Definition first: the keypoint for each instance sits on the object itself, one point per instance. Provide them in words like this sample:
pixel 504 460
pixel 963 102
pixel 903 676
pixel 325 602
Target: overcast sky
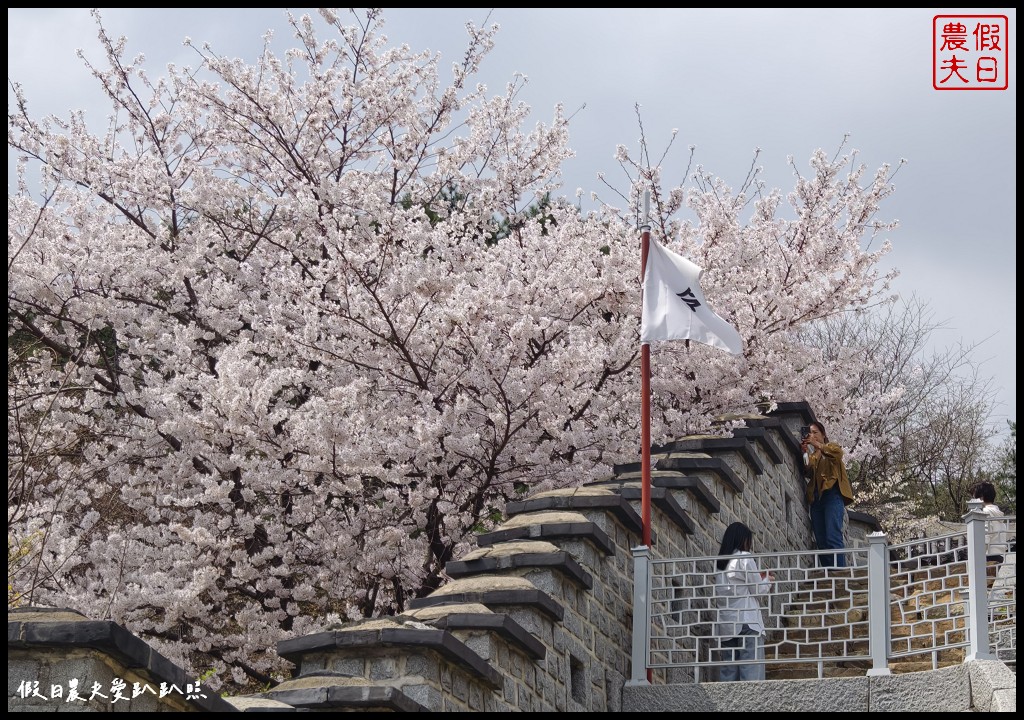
pixel 731 80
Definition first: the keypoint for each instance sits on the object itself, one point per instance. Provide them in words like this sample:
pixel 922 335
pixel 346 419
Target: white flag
pixel 674 305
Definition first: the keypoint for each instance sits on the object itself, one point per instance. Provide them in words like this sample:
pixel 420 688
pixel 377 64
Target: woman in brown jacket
pixel 828 492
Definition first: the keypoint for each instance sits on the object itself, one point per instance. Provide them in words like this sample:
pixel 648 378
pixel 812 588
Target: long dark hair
pixel 737 537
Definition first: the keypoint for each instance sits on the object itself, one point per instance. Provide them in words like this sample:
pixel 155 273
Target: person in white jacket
pixel 739 626
pixel 996 530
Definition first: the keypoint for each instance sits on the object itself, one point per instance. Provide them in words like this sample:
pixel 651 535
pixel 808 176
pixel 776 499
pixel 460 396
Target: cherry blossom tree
pixel 287 334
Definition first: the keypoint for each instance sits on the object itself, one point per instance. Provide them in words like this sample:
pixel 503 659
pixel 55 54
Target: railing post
pixel 977 584
pixel 878 603
pixel 641 614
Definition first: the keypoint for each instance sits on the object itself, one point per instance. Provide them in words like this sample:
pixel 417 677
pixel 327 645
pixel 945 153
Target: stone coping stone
pixel 461 616
pixel 594 498
pixel 500 624
pixel 989 678
pixel 629 486
pixel 581 491
pixel 637 467
pixel 792 443
pixel 738 417
pixel 673 480
pixel 804 414
pixel 867 519
pixel 783 696
pixel 560 561
pixel 440 642
pixel 694 485
pixel 536 599
pixel 259 704
pixel 583 530
pixel 378 623
pixel 542 518
pixel 716 465
pixel 741 445
pixel 667 503
pixel 800 407
pixel 363 697
pixel 766 441
pixel 482 583
pixel 320 679
pixel 945 688
pixel 767 422
pixel 44 614
pixel 30 627
pixel 430 614
pixel 511 548
pixel 957 688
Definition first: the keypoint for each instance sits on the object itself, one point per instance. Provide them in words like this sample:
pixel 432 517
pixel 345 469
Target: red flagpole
pixel 645 399
pixel 645 392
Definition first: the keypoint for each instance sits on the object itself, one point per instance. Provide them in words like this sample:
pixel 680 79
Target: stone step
pixel 824 649
pixel 847 668
pixel 816 636
pixel 808 671
pixel 827 606
pixel 832 579
pixel 928 574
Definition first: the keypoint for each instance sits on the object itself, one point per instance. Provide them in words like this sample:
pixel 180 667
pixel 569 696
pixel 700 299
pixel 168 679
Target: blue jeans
pixel 749 648
pixel 827 515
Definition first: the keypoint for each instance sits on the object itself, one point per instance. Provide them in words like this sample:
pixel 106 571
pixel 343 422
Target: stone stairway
pixel 827 617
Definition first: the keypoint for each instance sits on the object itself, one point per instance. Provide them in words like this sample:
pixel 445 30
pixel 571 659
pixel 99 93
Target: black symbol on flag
pixel 689 298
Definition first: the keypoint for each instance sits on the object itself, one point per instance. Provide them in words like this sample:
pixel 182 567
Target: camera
pixel 805 430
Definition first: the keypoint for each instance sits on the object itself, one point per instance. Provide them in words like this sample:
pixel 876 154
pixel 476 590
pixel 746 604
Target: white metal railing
pixel 1001 553
pixel 891 602
pixel 929 583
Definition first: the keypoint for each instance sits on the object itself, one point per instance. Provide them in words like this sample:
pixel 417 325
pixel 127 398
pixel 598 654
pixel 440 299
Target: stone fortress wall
pixel 537 618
